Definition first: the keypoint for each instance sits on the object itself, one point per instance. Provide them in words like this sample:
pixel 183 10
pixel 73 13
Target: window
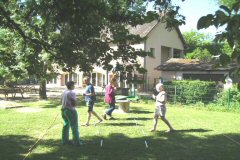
pixel 165 54
pixel 176 53
pixel 152 50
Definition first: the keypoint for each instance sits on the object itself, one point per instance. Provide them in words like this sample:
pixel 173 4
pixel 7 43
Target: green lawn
pixel 200 135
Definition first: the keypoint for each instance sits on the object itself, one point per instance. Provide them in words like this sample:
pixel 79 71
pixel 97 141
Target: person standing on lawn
pixel 161 99
pixel 110 98
pixel 70 115
pixel 90 98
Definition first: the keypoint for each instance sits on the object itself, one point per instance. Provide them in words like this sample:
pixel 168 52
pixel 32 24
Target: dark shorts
pixel 90 105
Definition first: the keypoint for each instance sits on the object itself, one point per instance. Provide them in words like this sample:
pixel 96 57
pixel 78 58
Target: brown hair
pixel 69 84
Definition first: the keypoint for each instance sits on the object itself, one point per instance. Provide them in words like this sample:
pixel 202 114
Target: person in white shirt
pixel 70 115
pixel 161 109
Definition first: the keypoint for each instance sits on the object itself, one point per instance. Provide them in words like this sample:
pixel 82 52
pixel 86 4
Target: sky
pixel 193 10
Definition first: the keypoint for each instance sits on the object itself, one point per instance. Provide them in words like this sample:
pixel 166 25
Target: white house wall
pixel 157 38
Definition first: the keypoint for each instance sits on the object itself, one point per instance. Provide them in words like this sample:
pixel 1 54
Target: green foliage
pixel 228 3
pixel 201 54
pixel 202 47
pixel 192 91
pixel 232 95
pixel 193 40
pixel 72 32
pixel 79 33
pixel 12 68
pixel 21 60
pixel 229 18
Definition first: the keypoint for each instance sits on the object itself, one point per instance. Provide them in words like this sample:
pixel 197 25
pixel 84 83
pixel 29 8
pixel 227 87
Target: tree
pixel 20 61
pixel 195 39
pixel 79 33
pixel 202 46
pixel 11 66
pixel 228 17
pixel 228 3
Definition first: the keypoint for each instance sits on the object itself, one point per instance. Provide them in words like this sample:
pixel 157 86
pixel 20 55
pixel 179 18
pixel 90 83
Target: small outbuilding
pixel 178 68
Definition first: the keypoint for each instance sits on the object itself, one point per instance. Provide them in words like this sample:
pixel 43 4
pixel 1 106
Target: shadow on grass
pixel 133 109
pixel 119 146
pixel 120 124
pixel 14 107
pixel 14 146
pixel 20 99
pixel 139 118
pixel 139 111
pixel 193 130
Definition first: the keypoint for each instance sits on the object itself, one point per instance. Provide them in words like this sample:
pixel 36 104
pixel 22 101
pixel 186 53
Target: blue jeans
pixel 111 108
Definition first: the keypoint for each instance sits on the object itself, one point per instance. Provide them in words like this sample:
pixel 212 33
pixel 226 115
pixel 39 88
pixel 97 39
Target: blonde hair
pixel 86 78
pixel 113 81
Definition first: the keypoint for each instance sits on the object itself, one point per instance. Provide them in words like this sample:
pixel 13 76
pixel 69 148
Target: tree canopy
pixel 203 47
pixel 12 67
pixel 229 18
pixel 228 3
pixel 79 34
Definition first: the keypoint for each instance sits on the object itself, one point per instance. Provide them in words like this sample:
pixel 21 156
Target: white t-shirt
pixel 68 97
pixel 161 98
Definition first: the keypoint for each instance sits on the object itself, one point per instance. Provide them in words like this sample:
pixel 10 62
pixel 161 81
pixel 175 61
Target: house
pixel 177 68
pixel 163 43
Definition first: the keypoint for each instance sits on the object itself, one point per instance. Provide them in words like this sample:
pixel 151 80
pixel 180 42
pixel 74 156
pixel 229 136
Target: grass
pixel 200 134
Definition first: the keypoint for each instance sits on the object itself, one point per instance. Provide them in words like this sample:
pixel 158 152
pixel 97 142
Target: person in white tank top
pixel 160 110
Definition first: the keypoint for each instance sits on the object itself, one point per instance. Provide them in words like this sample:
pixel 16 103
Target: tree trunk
pixel 42 89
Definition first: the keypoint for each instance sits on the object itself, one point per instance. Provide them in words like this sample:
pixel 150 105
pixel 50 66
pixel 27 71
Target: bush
pixel 231 96
pixel 191 91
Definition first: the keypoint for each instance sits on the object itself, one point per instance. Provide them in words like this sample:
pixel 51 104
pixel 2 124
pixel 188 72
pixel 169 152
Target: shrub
pixel 191 91
pixel 231 96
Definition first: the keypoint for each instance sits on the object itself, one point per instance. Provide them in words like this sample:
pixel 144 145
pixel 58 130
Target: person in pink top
pixel 110 98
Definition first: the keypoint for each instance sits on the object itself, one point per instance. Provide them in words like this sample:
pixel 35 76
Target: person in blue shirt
pixel 90 98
